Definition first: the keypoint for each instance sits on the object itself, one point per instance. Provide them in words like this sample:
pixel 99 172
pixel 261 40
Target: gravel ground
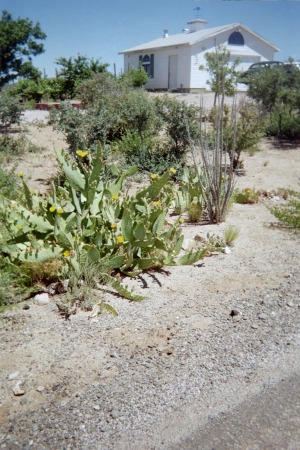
pixel 205 339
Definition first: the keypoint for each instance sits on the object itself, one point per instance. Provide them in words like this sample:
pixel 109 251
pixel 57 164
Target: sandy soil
pixel 173 363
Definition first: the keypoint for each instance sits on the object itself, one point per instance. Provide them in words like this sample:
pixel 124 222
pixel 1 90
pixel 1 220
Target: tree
pixel 277 90
pixel 75 70
pixel 222 71
pixel 19 41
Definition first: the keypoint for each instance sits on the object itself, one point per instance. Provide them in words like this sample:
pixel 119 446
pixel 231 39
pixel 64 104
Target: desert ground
pixel 169 372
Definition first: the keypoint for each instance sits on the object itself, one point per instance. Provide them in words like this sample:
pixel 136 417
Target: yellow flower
pixel 60 211
pixel 172 171
pixel 181 220
pixel 115 196
pixel 155 204
pixel 32 191
pixel 154 176
pixel 66 253
pixel 82 153
pixel 20 174
pixel 120 239
pixel 52 208
pixel 20 227
pixel 114 225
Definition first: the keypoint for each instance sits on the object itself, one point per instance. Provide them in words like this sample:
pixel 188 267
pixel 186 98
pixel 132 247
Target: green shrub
pixel 246 196
pixel 9 184
pixel 135 77
pixel 149 154
pixel 112 108
pixel 277 91
pixel 289 213
pixel 10 110
pixel 180 123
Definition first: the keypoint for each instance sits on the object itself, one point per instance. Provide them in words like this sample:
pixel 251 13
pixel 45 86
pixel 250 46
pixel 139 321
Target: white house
pixel 172 61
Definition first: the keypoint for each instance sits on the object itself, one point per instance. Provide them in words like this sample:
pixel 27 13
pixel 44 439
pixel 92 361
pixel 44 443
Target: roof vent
pixel 166 33
pixel 185 30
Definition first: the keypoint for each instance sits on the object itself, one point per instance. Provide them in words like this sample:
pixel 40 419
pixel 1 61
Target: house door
pixel 172 80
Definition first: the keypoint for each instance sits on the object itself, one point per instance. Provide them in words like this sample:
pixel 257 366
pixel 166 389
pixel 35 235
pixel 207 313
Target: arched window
pixel 236 38
pixel 147 62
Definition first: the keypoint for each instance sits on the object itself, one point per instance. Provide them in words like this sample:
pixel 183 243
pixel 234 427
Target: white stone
pixel 41 299
pixel 13 375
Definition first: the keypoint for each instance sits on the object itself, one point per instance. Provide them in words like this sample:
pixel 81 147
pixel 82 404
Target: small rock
pixel 13 375
pixel 114 414
pixel 114 355
pixel 41 299
pixel 40 388
pixel 227 250
pixel 26 307
pixel 19 389
pixel 254 326
pixel 97 407
pixel 263 316
pixel 234 312
pixel 290 304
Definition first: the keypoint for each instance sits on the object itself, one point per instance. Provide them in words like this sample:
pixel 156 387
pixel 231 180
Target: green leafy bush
pixel 180 123
pixel 135 77
pixel 278 92
pixel 149 154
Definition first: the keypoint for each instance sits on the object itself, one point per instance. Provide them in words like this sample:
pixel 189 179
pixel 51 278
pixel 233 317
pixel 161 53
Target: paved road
pixel 269 421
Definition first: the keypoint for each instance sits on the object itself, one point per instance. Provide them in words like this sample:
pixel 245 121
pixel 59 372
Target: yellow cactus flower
pixel 156 203
pixel 60 211
pixel 115 196
pixel 114 225
pixel 20 174
pixel 153 176
pixel 181 220
pixel 120 239
pixel 172 171
pixel 82 153
pixel 20 227
pixel 66 253
pixel 52 208
pixel 32 191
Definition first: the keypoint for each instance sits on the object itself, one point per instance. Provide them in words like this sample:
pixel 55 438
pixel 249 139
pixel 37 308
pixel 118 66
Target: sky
pixel 100 29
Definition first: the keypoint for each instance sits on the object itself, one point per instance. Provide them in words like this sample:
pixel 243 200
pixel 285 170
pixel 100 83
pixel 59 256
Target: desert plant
pixel 288 213
pixel 188 195
pixel 90 219
pixel 215 170
pixel 246 196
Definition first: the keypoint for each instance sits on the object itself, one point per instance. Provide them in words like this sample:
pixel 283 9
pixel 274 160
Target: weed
pixel 230 235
